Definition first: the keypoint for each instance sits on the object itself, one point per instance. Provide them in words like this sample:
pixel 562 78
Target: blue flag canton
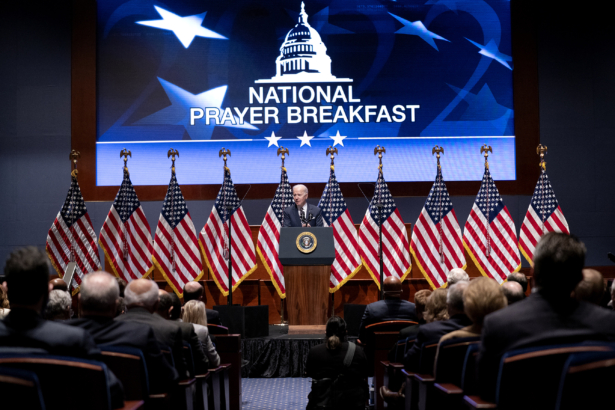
pixel 283 197
pixel 544 201
pixel 227 196
pixel 74 205
pixel 438 201
pixel 126 201
pixel 332 203
pixel 383 196
pixel 488 199
pixel 174 207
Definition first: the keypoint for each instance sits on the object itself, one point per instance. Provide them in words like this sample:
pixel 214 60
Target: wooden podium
pixel 307 273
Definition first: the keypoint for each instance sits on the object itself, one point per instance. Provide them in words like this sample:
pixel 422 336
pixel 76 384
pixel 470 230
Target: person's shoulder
pixel 62 331
pixel 212 313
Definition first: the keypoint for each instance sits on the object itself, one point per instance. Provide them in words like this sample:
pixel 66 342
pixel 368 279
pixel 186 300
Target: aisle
pixel 288 393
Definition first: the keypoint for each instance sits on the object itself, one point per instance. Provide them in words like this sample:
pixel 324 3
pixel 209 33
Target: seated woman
pixel 194 312
pixel 436 308
pixel 338 369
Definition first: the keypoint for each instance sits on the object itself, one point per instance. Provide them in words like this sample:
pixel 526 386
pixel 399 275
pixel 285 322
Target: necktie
pixel 302 215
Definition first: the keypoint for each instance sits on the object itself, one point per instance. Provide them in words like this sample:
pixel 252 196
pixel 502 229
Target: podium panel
pixel 307 294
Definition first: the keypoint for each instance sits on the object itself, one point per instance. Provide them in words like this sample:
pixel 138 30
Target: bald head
pixel 457 275
pixel 591 288
pixel 58 284
pixel 165 304
pixel 142 293
pixel 513 292
pixel 391 287
pixel 99 294
pixel 193 291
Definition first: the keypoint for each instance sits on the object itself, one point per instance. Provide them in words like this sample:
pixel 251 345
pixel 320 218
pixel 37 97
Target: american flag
pixel 335 214
pixel 436 242
pixel 491 244
pixel 543 215
pixel 268 244
pixel 395 253
pixel 126 237
pixel 71 237
pixel 214 238
pixel 176 252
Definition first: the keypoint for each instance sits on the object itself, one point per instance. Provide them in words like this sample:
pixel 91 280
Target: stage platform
pixel 283 353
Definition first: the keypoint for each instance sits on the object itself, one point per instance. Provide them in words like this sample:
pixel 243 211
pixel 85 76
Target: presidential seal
pixel 306 242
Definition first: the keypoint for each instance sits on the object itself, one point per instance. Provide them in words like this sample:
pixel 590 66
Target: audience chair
pixel 68 382
pixel 128 365
pixel 229 349
pixel 20 388
pixel 202 387
pixel 586 382
pixel 186 390
pixel 424 377
pixel 451 391
pixel 217 329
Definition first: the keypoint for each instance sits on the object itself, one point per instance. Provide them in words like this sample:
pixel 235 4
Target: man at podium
pixel 302 214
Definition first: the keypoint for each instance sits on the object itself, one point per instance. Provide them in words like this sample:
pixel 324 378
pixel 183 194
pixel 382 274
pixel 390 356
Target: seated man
pixel 141 298
pixel 513 292
pixel 420 301
pixel 98 298
pixel 392 307
pixel 59 305
pixel 432 332
pixel 194 291
pixel 591 288
pixel 302 214
pixel 547 316
pixel 58 284
pixel 457 275
pixel 520 278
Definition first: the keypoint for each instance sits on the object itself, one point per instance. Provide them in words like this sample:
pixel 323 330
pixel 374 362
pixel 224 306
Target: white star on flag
pixel 184 28
pixel 338 139
pixel 273 140
pixel 305 139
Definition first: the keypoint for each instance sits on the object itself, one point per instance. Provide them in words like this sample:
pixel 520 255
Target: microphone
pixel 309 218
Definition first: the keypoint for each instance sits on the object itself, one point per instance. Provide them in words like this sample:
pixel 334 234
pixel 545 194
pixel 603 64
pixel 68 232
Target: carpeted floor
pixel 289 393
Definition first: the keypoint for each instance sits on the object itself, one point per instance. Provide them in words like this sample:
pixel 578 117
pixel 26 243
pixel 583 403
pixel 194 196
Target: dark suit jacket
pixel 291 216
pixel 167 333
pixel 201 363
pixel 538 321
pixel 213 317
pixel 432 332
pixel 387 309
pixel 106 331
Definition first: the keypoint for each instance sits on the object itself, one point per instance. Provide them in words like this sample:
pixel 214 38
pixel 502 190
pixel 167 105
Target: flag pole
pixel 71 266
pixel 486 149
pixel 379 151
pixel 284 152
pixel 331 151
pixel 439 150
pixel 172 153
pixel 542 150
pixel 124 153
pixel 228 209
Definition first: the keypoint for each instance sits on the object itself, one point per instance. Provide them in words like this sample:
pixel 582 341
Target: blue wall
pixel 577 89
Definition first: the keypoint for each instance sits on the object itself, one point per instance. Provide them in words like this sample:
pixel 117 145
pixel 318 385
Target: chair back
pixel 128 365
pixel 469 382
pixel 427 357
pixel 21 388
pixel 379 339
pixel 187 350
pixel 66 382
pixel 451 357
pixel 217 329
pixel 586 381
pixel 168 354
pixel 400 348
pixel 540 368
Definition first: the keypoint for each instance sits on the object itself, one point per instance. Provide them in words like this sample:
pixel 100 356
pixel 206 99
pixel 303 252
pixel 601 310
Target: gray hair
pixel 457 275
pixel 146 299
pixel 59 303
pixel 454 297
pixel 301 186
pixel 99 292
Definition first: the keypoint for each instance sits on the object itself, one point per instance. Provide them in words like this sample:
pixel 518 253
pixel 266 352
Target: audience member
pixel 194 291
pixel 433 331
pixel 591 288
pixel 392 307
pixel 331 371
pixel 165 307
pixel 457 275
pixel 420 300
pixel 59 305
pixel 122 285
pixel 436 308
pixel 141 296
pixel 176 312
pixel 121 307
pixel 513 292
pixel 98 300
pixel 520 278
pixel 194 313
pixel 549 315
pixel 58 284
pixel 4 303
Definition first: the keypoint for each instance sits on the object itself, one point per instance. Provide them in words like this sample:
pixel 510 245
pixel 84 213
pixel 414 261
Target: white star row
pixel 305 139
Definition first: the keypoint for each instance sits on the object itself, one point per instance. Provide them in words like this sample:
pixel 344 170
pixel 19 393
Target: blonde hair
pixel 194 312
pixel 420 299
pixel 481 297
pixel 436 308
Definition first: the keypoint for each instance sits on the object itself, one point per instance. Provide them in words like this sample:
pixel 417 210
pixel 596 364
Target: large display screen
pixel 200 75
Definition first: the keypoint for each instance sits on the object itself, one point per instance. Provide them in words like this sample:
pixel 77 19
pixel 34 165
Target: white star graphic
pixel 418 29
pixel 491 50
pixel 184 28
pixel 338 139
pixel 305 139
pixel 273 140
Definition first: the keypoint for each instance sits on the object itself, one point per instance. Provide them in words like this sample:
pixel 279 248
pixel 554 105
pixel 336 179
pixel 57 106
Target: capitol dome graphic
pixel 303 57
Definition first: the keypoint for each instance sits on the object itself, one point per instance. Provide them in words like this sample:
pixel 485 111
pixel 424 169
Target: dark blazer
pixel 292 219
pixel 387 309
pixel 538 321
pixel 432 332
pixel 213 317
pixel 167 333
pixel 201 363
pixel 107 331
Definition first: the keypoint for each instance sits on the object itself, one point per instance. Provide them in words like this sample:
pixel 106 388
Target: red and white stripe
pixel 532 229
pixel 136 232
pixel 268 246
pixel 425 246
pixel 347 259
pixel 395 253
